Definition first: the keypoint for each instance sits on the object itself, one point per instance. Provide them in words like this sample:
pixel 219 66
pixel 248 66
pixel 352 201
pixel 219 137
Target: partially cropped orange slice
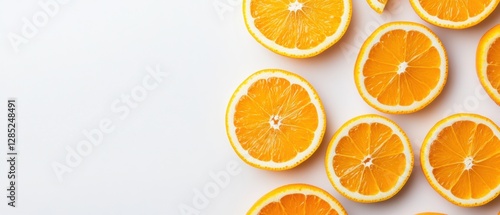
pixel 297 28
pixel 297 199
pixel 460 158
pixel 454 14
pixel 275 120
pixel 488 63
pixel 401 68
pixel 377 5
pixel 369 159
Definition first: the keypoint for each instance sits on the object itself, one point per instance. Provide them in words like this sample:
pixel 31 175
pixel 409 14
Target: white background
pixel 160 157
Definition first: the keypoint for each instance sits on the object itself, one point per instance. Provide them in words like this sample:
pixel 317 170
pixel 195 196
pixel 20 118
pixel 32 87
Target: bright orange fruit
pixel 460 158
pixel 275 120
pixel 401 68
pixel 377 5
pixel 452 13
pixel 369 159
pixel 297 28
pixel 488 63
pixel 297 199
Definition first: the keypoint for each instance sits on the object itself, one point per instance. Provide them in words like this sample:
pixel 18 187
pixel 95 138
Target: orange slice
pixel 275 120
pixel 297 199
pixel 460 158
pixel 488 63
pixel 401 68
pixel 297 28
pixel 377 5
pixel 369 159
pixel 452 13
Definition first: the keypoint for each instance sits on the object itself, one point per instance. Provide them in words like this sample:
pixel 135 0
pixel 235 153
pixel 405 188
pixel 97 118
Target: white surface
pixel 90 53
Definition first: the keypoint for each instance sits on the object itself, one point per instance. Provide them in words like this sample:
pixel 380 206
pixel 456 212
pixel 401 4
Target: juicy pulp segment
pixel 369 159
pixel 402 68
pixel 465 158
pixel 455 10
pixel 298 204
pixel 297 24
pixel 275 120
pixel 493 68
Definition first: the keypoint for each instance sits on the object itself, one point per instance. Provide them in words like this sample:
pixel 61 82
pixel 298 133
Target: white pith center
pixel 402 67
pixel 368 161
pixel 468 162
pixel 275 122
pixel 295 6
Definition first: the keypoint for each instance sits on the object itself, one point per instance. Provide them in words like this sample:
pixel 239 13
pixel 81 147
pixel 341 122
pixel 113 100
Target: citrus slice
pixel 369 159
pixel 297 28
pixel 377 5
pixel 401 68
pixel 275 120
pixel 297 199
pixel 454 14
pixel 460 158
pixel 488 63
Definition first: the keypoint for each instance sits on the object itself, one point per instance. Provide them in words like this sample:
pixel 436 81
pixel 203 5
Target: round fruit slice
pixel 401 68
pixel 369 159
pixel 460 158
pixel 275 120
pixel 454 14
pixel 488 62
pixel 298 28
pixel 377 5
pixel 297 199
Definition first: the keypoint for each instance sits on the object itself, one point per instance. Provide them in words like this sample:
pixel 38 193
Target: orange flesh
pixel 370 159
pixel 298 204
pixel 455 10
pixel 275 120
pixel 493 60
pixel 302 28
pixel 466 159
pixel 402 68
